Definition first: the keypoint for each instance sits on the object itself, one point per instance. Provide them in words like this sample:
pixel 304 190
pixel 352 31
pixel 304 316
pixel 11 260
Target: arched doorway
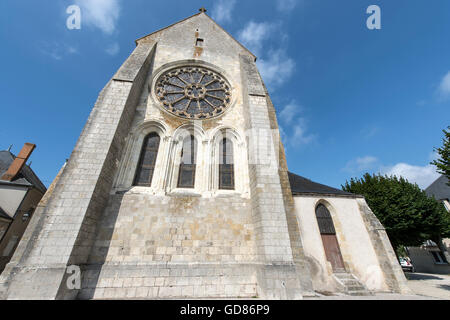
pixel 329 240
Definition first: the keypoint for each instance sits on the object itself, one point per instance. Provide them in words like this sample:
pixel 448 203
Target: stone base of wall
pixel 279 281
pixel 172 280
pixel 31 283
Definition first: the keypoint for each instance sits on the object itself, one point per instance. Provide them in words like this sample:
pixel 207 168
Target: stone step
pixel 352 286
pixel 359 293
pixel 344 276
pixel 355 288
pixel 349 280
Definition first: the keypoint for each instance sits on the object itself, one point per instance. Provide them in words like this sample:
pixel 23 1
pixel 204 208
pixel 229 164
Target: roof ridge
pixel 197 14
pixel 167 27
pixel 229 34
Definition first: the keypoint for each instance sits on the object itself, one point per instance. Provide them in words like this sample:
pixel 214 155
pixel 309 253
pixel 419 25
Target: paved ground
pixel 425 286
pixel 384 296
pixel 429 285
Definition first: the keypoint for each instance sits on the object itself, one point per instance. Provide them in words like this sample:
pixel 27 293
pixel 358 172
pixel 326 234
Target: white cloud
pixel 274 65
pixel 277 68
pixel 254 34
pixel 222 10
pixel 369 131
pixel 102 14
pixel 113 49
pixel 444 86
pixel 294 129
pixel 57 50
pixel 287 115
pixel 300 136
pixel 423 176
pixel 53 54
pixel 361 164
pixel 284 138
pixel 71 50
pixel 286 5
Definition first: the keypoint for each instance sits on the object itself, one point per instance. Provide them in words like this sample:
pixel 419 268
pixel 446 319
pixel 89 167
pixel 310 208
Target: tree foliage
pixel 443 162
pixel 407 213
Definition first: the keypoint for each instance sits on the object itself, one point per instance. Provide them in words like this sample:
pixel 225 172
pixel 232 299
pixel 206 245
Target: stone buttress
pixel 160 241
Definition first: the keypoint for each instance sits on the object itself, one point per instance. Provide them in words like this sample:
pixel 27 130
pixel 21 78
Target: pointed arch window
pixel 329 240
pixel 186 176
pixel 147 160
pixel 226 165
pixel 324 220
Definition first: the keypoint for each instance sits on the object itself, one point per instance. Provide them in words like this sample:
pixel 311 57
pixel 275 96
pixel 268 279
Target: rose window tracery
pixel 193 92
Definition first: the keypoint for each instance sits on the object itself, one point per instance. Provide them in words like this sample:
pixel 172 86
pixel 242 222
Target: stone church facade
pixel 178 187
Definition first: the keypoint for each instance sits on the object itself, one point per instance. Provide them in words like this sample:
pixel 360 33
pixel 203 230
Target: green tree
pixel 407 213
pixel 443 163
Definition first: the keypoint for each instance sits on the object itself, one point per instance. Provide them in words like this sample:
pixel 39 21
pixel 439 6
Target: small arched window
pixel 226 164
pixel 186 176
pixel 324 220
pixel 147 160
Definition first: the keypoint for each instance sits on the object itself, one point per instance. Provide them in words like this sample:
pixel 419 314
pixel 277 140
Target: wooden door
pixel 329 240
pixel 332 251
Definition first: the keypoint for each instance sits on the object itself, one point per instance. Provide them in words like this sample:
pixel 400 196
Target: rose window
pixel 193 92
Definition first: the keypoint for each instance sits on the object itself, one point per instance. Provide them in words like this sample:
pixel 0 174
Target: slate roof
pixel 26 177
pixel 302 185
pixel 439 189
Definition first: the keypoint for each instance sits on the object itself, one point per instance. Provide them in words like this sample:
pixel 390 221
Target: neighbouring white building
pixel 432 257
pixel 178 187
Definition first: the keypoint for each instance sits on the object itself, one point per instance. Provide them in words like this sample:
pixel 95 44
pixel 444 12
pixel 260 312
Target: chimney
pixel 18 162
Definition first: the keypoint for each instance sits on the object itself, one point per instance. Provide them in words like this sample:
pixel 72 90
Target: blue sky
pixel 349 99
